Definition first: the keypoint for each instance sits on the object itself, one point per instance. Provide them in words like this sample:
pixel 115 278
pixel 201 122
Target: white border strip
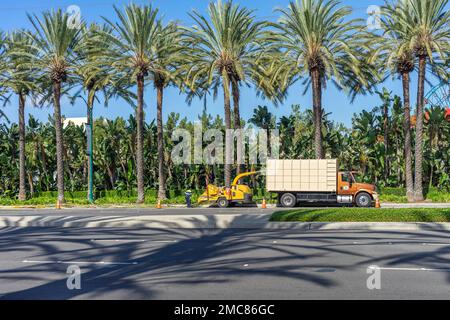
pixel 78 262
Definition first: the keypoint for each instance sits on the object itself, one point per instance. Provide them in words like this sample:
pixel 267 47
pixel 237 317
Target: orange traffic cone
pixel 158 205
pixel 264 204
pixel 58 204
pixel 377 204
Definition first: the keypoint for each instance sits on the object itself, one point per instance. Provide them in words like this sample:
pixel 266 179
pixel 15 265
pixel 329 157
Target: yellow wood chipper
pixel 224 197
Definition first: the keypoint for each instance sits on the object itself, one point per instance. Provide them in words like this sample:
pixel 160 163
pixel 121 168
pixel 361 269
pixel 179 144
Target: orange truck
pixel 316 181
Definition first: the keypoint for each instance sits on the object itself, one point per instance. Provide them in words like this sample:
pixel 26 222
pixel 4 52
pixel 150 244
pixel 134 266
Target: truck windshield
pixel 355 176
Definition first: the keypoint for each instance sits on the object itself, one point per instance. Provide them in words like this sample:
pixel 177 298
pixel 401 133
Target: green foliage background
pixel 358 148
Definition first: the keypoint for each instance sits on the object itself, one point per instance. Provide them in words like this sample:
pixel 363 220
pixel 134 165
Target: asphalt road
pixel 222 264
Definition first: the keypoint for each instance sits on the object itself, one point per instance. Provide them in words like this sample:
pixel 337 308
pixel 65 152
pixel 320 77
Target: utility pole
pixel 90 154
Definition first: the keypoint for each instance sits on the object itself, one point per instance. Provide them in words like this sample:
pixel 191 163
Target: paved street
pixel 130 263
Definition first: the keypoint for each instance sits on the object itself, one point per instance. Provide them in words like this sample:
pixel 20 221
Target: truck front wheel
pixel 288 200
pixel 363 200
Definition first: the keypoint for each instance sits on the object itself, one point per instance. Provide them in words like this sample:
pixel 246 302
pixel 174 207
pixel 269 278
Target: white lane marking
pixel 132 240
pixel 397 243
pixel 410 269
pixel 116 240
pixel 79 262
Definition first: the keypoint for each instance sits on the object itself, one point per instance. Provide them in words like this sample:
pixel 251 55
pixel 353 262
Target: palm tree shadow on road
pixel 196 257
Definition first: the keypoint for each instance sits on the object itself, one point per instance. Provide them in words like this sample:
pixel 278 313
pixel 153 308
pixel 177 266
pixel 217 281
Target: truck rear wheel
pixel 363 200
pixel 222 203
pixel 288 200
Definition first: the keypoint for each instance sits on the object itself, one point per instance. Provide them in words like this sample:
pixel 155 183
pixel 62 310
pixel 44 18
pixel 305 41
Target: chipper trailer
pixel 224 197
pixel 298 181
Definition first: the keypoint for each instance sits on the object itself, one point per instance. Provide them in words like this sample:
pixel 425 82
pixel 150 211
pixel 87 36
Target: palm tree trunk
pixel 140 139
pixel 237 126
pixel 22 173
pixel 418 188
pixel 317 110
pixel 59 141
pixel 30 182
pixel 159 125
pixel 228 140
pixel 407 131
pixel 430 185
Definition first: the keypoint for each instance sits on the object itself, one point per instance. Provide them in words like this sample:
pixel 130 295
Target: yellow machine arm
pixel 243 175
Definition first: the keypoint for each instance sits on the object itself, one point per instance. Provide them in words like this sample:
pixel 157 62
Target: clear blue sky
pixel 13 15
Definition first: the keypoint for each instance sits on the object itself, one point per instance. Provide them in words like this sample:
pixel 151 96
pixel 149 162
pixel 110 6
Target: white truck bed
pixel 301 175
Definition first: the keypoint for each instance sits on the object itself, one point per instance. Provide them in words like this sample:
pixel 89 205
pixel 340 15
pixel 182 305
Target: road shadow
pixel 197 257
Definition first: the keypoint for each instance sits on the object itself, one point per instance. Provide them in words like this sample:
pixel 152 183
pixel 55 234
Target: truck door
pixel 344 185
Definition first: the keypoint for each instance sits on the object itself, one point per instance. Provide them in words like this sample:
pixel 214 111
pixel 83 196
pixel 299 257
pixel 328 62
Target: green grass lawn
pixel 363 215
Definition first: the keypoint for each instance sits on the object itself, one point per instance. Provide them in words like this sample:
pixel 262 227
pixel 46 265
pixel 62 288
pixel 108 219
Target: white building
pixel 80 122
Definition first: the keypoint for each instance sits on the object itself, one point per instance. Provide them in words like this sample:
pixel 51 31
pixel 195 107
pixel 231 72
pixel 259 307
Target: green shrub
pixel 393 198
pixel 393 191
pixel 438 196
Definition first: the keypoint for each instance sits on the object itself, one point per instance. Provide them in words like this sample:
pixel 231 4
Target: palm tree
pixel 429 23
pixel 55 44
pixel 224 52
pixel 318 42
pixel 3 70
pixel 132 54
pixel 395 57
pixel 264 119
pixel 165 70
pixel 19 78
pixel 96 77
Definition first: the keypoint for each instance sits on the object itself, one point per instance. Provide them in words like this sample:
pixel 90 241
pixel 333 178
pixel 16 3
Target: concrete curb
pixel 223 221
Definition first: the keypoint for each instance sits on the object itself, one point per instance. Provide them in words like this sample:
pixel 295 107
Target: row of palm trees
pixel 312 42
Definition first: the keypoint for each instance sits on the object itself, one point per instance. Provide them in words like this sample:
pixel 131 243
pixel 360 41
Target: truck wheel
pixel 363 200
pixel 288 200
pixel 222 203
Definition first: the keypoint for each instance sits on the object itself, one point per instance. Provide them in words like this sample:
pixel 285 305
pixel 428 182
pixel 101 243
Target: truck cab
pixel 351 191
